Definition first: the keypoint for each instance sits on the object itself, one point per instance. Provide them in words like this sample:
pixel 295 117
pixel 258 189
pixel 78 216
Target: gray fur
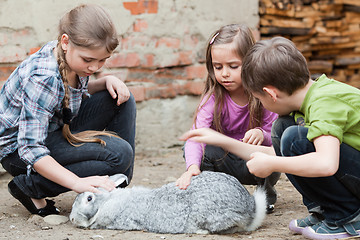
pixel 213 203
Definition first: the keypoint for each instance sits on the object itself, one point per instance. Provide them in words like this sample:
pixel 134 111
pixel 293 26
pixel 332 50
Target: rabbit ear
pixel 120 180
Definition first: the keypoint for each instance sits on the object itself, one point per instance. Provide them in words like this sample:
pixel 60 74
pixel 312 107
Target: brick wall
pixel 161 54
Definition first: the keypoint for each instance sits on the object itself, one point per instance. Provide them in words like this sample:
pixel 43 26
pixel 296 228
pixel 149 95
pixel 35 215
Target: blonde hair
pixel 242 39
pixel 87 26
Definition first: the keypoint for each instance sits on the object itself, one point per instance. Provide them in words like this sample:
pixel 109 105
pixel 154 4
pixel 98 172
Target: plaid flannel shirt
pixel 31 104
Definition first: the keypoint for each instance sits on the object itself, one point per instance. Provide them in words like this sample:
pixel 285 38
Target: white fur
pixel 260 212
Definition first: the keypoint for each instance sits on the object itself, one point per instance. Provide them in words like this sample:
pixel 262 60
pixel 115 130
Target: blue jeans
pixel 98 112
pixel 337 196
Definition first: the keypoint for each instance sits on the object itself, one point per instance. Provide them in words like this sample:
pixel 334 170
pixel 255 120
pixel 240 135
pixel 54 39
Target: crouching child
pixel 316 140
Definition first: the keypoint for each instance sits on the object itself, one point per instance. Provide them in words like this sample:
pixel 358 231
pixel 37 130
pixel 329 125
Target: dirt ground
pixel 150 171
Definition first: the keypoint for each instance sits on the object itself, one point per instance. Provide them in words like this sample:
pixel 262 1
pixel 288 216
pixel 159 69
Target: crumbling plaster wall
pixel 160 56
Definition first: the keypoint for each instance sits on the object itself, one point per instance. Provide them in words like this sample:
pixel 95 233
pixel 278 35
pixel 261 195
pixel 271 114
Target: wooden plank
pixel 323 32
pixel 334 23
pixel 284 31
pixel 331 7
pixel 301 38
pixel 284 23
pixel 328 53
pixel 349 72
pixel 354 81
pixel 339 75
pixel 273 11
pixel 351 2
pixel 354 66
pixel 351 17
pixel 352 33
pixel 307 55
pixel 320 65
pixel 354 27
pixel 303 46
pixel 352 8
pixel 267 3
pixel 350 59
pixel 306 11
pixel 330 46
pixel 329 40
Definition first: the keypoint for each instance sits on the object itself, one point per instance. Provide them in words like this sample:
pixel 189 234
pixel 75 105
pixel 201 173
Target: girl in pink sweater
pixel 226 107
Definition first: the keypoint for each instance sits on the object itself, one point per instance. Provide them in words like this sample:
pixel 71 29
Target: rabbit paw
pixel 202 231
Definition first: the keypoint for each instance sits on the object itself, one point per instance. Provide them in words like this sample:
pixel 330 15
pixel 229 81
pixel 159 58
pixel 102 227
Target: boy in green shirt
pixel 316 140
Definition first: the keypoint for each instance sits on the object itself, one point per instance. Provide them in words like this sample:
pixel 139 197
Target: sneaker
pixel 298 225
pixel 26 201
pixel 324 230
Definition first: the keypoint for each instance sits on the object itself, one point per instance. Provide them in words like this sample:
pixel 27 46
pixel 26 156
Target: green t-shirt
pixel 331 108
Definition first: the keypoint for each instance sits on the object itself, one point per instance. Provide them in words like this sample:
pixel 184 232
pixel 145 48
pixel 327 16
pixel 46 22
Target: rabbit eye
pixel 89 198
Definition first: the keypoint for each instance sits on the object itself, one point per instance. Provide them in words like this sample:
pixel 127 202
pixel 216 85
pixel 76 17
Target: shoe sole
pixel 22 198
pixel 28 203
pixel 310 233
pixel 295 228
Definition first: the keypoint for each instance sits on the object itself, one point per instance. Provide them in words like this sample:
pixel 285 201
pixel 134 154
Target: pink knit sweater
pixel 234 122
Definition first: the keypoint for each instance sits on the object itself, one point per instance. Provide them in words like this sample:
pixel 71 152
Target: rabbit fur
pixel 213 203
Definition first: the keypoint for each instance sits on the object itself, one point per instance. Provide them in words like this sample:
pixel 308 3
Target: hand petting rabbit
pixel 213 203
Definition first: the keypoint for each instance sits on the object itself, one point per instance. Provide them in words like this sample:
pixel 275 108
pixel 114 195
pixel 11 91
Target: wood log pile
pixel 327 32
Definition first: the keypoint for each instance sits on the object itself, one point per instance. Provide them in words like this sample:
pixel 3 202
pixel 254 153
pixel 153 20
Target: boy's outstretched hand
pixel 257 156
pixel 259 164
pixel 203 135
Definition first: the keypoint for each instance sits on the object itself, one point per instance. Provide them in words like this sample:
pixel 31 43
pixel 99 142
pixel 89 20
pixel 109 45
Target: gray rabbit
pixel 213 203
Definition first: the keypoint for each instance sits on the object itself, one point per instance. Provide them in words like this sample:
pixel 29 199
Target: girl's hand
pixel 184 181
pixel 254 136
pixel 91 184
pixel 117 89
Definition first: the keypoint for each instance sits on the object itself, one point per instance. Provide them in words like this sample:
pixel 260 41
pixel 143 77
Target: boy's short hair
pixel 275 62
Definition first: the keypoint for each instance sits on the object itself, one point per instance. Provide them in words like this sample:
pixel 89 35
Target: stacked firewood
pixel 327 32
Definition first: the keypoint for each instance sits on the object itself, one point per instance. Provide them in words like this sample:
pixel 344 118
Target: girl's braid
pixel 87 26
pixel 62 68
pixel 86 136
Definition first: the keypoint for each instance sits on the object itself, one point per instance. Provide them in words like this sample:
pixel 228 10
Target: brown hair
pixel 87 26
pixel 275 62
pixel 242 39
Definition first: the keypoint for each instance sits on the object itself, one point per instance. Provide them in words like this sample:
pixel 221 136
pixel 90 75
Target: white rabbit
pixel 213 203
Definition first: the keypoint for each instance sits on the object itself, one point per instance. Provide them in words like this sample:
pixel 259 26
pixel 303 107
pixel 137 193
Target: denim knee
pixel 125 155
pixel 118 153
pixel 131 101
pixel 280 124
pixel 294 141
pixel 277 130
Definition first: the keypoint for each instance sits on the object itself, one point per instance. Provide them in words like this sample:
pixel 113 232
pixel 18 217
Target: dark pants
pixel 217 160
pixel 98 112
pixel 337 196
